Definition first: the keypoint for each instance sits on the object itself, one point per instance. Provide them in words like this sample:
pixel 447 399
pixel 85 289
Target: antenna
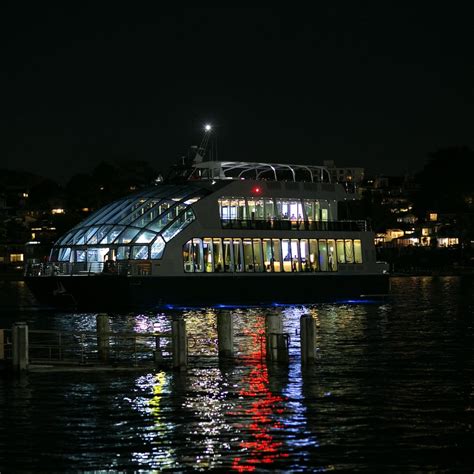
pixel 206 143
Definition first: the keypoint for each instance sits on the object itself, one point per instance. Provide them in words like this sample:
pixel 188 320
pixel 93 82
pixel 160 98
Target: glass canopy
pixel 136 226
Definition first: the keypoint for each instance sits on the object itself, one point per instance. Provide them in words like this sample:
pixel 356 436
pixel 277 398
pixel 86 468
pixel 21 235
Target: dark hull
pixel 103 292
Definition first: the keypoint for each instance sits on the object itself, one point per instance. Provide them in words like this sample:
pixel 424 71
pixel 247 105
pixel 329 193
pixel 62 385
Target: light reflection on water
pixel 391 391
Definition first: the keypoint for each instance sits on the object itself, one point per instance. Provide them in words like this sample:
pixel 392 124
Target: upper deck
pixel 239 170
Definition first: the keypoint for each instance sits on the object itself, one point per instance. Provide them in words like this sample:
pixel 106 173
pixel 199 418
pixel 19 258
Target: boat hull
pixel 103 292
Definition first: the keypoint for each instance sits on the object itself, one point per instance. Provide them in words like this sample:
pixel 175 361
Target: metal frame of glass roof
pixel 272 171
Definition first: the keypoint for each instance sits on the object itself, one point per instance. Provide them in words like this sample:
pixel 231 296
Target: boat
pixel 216 233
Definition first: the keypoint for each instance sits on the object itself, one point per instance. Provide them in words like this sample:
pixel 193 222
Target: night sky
pixel 378 87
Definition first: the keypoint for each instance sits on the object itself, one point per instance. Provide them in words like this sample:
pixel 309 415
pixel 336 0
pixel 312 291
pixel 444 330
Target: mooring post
pixel 20 356
pixel 308 339
pixel 225 334
pixel 276 341
pixel 179 342
pixel 103 336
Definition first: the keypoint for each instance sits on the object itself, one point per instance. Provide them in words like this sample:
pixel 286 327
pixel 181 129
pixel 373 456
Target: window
pixel 257 255
pixel 139 252
pixel 218 255
pixel 238 257
pixel 323 255
pixel 313 255
pixel 332 261
pixel 304 255
pixel 123 253
pixel 295 261
pixel 276 246
pixel 286 250
pixel 228 256
pixel 341 257
pixel 207 255
pixel 349 251
pixel 16 257
pixel 248 255
pixel 357 251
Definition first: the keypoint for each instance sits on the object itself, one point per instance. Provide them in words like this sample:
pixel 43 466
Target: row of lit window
pixel 279 208
pixel 269 255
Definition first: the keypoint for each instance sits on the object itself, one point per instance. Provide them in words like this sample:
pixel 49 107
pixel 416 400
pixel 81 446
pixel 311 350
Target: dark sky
pixel 379 86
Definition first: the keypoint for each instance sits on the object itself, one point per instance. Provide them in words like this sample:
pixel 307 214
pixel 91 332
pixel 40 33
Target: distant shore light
pixel 208 127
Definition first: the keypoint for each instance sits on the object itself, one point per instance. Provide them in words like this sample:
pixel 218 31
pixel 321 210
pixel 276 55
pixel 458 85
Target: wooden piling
pixel 225 334
pixel 276 341
pixel 308 339
pixel 20 349
pixel 179 343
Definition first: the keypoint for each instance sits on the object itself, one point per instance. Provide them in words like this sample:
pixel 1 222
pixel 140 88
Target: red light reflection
pixel 261 448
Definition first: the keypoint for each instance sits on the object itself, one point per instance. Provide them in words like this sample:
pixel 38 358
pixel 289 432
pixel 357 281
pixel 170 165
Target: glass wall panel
pixel 313 255
pixel 357 251
pixel 151 210
pixel 238 209
pixel 123 253
pixel 324 212
pixel 323 255
pixel 139 252
pixel 276 255
pixel 309 209
pixel 157 248
pixel 228 256
pixel 100 234
pixel 198 256
pixel 64 254
pixel 257 255
pixel 286 252
pixel 218 255
pixel 188 257
pixel 80 256
pixel 349 251
pixel 97 254
pixel 248 255
pixel 224 208
pixel 270 212
pixel 256 209
pixel 295 261
pixel 268 259
pixel 341 257
pixel 304 255
pixel 78 238
pixel 238 255
pixel 332 260
pixel 207 253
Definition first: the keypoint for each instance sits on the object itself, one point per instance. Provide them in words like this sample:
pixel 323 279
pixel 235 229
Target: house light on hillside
pixel 433 216
pixel 57 210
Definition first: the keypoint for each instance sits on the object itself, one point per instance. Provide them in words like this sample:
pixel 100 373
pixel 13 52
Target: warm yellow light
pixel 433 216
pixel 85 209
pixel 16 257
pixel 57 211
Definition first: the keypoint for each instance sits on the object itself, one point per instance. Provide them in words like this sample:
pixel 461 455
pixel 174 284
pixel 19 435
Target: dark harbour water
pixel 392 391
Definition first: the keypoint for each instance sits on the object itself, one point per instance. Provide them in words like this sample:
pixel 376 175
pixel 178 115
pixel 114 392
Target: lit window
pixel 433 216
pixel 16 257
pixel 57 211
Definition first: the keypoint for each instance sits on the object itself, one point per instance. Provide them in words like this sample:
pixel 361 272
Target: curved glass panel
pixel 127 235
pixel 157 248
pixel 112 234
pixel 145 237
pixel 178 225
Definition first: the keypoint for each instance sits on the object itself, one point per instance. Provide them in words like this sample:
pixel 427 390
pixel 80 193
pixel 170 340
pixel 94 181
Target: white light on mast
pixel 208 127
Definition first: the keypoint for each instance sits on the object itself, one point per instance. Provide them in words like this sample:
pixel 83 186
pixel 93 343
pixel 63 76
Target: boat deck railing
pixel 277 224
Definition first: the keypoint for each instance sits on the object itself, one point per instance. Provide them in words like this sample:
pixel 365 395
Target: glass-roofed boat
pixel 216 232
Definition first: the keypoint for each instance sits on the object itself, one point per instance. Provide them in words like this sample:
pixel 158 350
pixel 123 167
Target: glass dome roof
pixel 145 220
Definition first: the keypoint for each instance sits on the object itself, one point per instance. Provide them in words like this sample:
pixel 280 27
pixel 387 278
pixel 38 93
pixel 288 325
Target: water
pixel 392 390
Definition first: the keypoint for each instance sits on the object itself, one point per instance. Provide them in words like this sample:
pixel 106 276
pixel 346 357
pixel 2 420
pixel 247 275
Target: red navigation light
pixel 257 190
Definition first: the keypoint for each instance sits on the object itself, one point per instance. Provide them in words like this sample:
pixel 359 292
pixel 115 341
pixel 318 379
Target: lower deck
pixel 98 292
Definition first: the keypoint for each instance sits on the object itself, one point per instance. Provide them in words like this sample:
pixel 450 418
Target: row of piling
pixel 276 341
